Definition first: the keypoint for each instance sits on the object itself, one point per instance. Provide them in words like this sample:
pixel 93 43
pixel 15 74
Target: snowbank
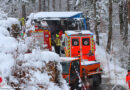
pixel 2 14
pixel 3 23
pixel 6 62
pixel 8 45
pixel 8 22
pixel 38 57
pixel 38 70
pixel 111 66
pixel 12 21
pixel 8 49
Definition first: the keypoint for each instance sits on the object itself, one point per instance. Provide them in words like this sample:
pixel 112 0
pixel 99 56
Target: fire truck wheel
pixel 96 80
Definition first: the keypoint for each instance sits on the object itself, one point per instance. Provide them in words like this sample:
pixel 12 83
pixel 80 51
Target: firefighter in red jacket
pixel 128 79
pixel 60 33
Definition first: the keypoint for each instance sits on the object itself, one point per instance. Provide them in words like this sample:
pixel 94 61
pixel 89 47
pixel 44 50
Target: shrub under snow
pixel 38 70
pixel 34 71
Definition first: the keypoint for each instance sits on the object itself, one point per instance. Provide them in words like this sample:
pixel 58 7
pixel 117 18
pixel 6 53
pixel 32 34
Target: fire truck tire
pixel 96 80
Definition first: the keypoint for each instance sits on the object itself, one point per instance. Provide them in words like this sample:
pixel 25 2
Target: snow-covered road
pixel 105 86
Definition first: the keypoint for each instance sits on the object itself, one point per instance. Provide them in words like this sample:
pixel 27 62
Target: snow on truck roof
pixel 85 62
pixel 78 32
pixel 54 14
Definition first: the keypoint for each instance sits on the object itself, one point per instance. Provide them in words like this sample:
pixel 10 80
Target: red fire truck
pixel 41 35
pixel 86 68
pixel 80 43
pixel 80 73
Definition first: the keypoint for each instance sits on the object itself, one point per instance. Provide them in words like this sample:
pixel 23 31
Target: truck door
pixel 75 46
pixel 38 38
pixel 47 39
pixel 85 46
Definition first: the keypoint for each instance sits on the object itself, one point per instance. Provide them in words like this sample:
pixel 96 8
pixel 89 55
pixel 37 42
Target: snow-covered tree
pixel 110 27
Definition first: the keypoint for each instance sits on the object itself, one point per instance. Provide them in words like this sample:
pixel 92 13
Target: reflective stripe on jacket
pixel 57 42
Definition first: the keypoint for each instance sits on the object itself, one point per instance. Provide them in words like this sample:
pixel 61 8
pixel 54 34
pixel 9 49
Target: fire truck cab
pixel 57 22
pixel 80 43
pixel 80 74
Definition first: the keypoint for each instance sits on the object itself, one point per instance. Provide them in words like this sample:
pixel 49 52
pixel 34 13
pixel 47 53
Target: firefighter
pixel 128 79
pixel 57 44
pixel 60 33
pixel 22 22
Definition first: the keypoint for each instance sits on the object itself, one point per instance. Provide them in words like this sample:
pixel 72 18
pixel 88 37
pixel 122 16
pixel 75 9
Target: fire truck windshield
pixel 65 67
pixel 65 24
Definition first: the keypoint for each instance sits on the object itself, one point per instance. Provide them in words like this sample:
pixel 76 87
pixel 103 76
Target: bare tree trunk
pixel 129 54
pixel 60 5
pixel 80 2
pixel 129 11
pixel 68 5
pixel 126 23
pixel 39 5
pixel 121 18
pixel 95 20
pixel 44 5
pixel 109 27
pixel 23 10
pixel 48 5
pixel 54 8
pixel 129 23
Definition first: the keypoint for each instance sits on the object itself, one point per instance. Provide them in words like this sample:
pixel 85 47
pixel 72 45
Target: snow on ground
pixel 8 46
pixel 8 22
pixel 39 59
pixel 37 76
pixel 12 21
pixel 111 67
pixel 2 14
